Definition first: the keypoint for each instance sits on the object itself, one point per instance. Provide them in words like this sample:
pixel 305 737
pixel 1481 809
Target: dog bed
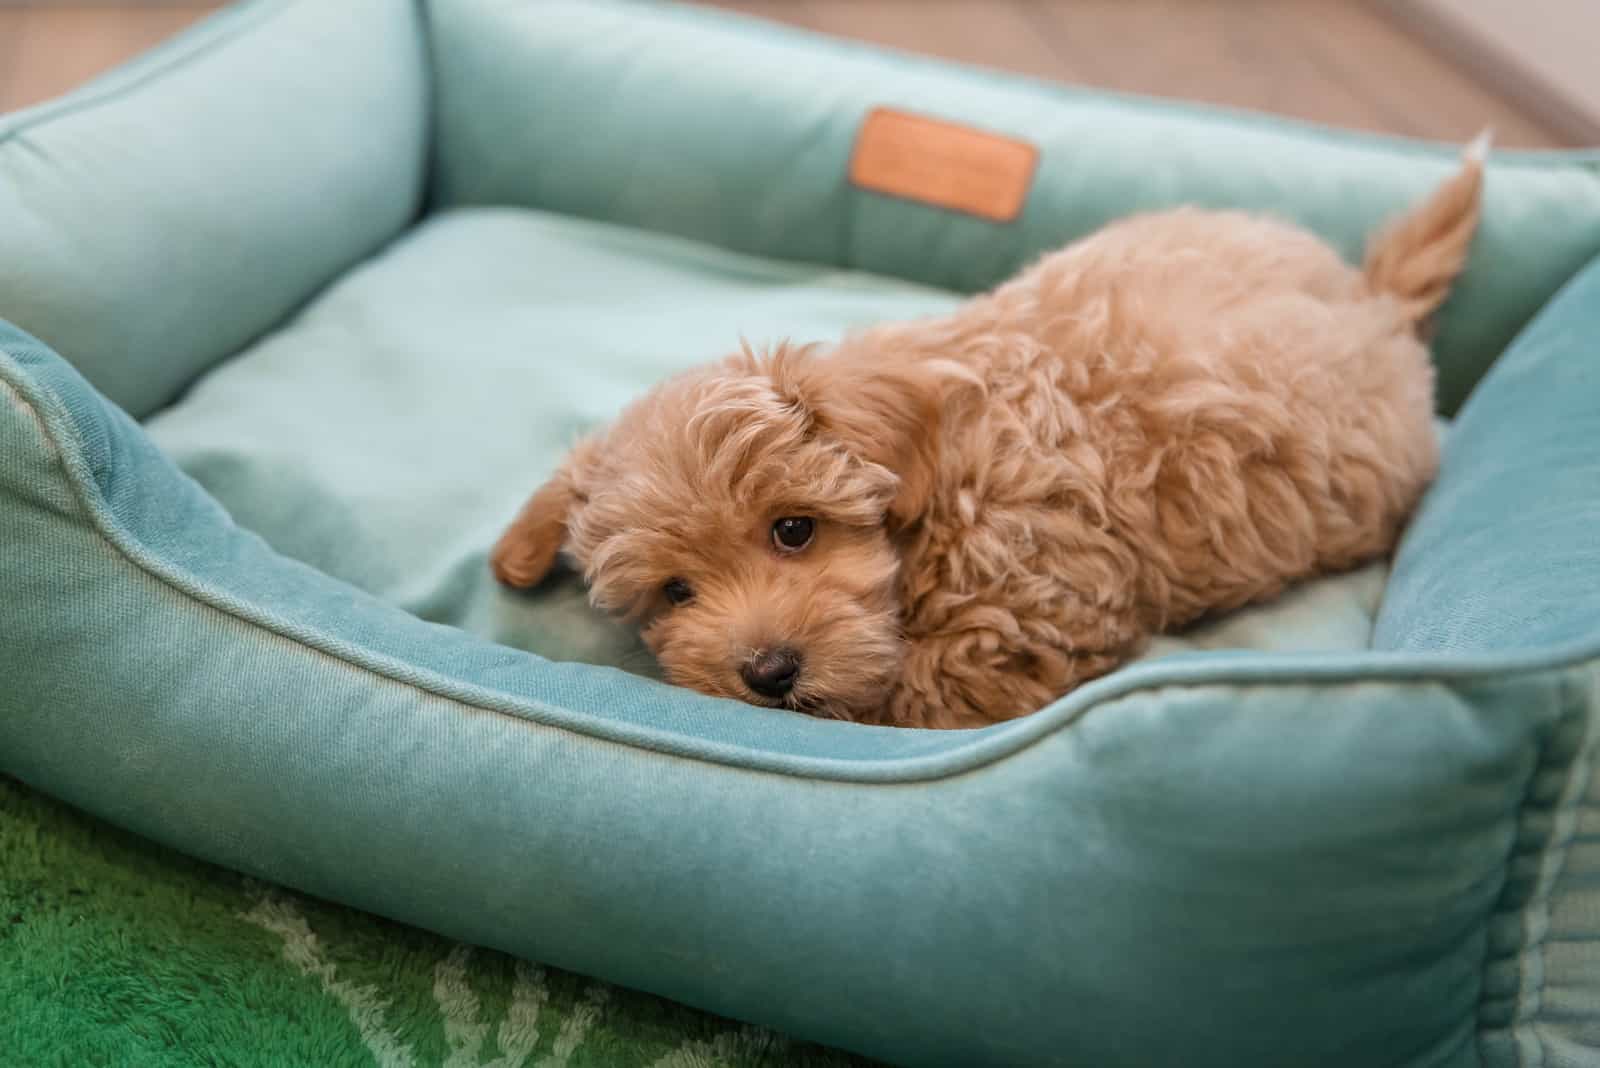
pixel 303 303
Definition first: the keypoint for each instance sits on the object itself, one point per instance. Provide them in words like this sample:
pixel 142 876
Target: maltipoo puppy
pixel 954 521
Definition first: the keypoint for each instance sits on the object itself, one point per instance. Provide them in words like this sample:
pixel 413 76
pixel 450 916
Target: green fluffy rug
pixel 114 951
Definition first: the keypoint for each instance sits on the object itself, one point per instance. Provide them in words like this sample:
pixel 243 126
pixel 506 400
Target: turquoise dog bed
pixel 306 301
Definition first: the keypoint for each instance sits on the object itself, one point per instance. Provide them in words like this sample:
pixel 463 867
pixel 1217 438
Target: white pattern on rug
pixel 460 1008
pixel 364 1004
pixel 748 1044
pixel 465 1032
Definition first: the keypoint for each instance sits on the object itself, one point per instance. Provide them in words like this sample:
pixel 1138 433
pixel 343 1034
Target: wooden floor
pixel 1334 61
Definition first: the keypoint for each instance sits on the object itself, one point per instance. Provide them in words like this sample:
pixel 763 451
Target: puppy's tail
pixel 1416 257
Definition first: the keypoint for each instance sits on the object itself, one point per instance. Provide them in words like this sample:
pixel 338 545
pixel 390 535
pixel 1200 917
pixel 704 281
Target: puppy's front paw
pixel 518 562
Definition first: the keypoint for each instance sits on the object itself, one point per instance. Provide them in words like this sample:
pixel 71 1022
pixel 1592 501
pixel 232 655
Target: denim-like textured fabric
pixel 738 133
pixel 156 220
pixel 1541 991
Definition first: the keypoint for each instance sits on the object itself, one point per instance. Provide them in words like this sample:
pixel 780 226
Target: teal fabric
pixel 1216 862
pixel 1523 470
pixel 157 220
pixel 738 133
pixel 1541 985
pixel 1505 555
pixel 1310 852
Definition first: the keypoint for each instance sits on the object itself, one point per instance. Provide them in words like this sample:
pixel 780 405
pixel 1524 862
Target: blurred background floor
pixel 1345 62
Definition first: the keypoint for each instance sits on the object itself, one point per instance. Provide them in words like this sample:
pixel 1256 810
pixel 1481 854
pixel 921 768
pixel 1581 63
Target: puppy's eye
pixel 678 591
pixel 793 533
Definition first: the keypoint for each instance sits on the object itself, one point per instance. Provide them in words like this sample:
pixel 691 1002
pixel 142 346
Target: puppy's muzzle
pixel 771 673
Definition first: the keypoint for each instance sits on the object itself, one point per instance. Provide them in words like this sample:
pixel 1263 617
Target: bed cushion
pixel 387 433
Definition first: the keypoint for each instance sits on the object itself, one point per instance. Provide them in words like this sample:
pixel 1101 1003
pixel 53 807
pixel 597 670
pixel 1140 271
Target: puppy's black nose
pixel 772 672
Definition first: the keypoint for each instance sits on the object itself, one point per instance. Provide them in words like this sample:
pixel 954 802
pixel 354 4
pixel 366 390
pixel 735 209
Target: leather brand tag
pixel 943 163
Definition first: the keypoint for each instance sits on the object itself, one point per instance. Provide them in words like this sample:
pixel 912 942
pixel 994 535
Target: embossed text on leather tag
pixel 943 163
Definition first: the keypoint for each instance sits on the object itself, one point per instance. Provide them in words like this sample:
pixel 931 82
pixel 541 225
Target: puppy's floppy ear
pixel 882 405
pixel 528 549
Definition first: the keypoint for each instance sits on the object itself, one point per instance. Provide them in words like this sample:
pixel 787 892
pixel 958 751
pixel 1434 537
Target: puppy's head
pixel 746 514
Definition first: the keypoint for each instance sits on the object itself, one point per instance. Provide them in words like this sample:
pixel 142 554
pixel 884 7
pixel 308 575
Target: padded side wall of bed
pixel 1504 556
pixel 739 133
pixel 155 221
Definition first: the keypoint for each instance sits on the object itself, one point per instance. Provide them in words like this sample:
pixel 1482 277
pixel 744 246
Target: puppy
pixel 951 522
